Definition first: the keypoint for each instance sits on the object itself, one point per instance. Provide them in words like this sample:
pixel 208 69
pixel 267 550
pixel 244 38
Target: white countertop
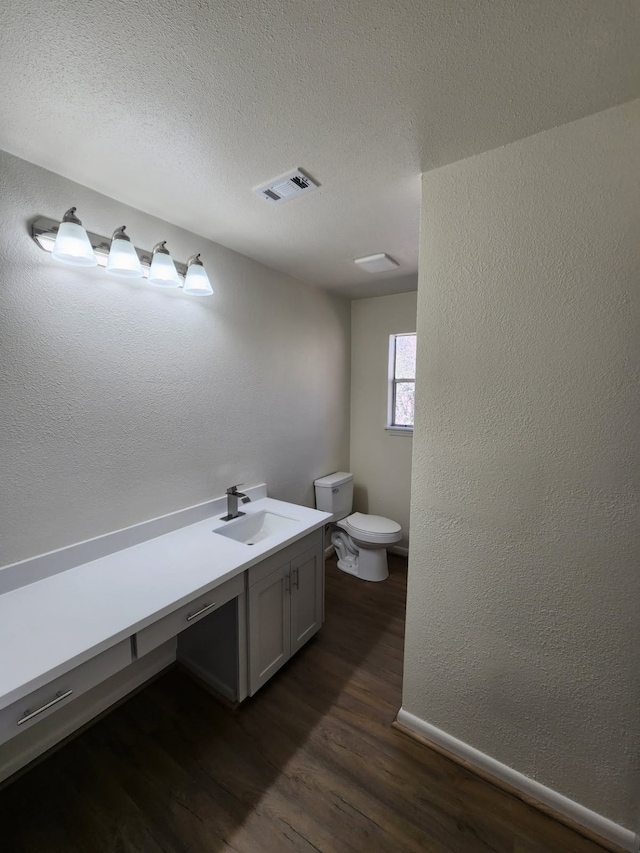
pixel 59 622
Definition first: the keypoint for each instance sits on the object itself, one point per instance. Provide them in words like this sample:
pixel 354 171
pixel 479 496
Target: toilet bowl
pixel 360 540
pixel 361 544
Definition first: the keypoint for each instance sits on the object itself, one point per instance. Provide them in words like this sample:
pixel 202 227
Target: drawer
pixel 46 700
pixel 167 627
pixel 285 555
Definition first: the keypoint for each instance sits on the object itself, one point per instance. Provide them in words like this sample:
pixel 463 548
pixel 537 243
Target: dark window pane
pixel 405 357
pixel 403 414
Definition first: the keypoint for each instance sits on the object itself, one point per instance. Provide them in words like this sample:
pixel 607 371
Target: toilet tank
pixel 334 494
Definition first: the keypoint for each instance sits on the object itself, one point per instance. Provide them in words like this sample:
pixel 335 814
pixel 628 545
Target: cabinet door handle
pixel 295 578
pixel 204 609
pixel 287 583
pixel 30 715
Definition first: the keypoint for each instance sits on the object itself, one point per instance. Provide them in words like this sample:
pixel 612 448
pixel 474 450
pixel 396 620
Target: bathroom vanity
pixel 82 627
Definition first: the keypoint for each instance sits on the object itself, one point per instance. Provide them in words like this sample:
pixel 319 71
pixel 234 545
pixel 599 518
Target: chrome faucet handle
pixel 233 490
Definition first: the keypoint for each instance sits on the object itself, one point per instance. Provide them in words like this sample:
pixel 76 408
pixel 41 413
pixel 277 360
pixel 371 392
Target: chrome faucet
pixel 232 503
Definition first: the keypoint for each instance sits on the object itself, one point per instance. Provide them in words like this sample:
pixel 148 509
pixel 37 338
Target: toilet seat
pixel 374 529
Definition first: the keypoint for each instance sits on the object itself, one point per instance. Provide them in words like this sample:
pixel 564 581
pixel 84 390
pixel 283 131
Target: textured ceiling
pixel 180 108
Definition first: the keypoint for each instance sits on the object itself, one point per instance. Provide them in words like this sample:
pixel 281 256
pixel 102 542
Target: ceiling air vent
pixel 286 187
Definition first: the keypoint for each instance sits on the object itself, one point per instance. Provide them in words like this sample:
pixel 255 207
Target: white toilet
pixel 360 540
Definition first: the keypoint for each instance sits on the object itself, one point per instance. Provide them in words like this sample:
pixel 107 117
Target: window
pixel 402 381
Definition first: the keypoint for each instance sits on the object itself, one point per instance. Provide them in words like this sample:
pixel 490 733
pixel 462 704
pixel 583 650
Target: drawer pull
pixel 29 716
pixel 191 616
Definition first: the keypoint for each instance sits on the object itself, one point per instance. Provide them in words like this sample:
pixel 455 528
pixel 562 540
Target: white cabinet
pixel 269 626
pixel 285 606
pixel 44 701
pixel 209 635
pixel 307 597
pixel 182 618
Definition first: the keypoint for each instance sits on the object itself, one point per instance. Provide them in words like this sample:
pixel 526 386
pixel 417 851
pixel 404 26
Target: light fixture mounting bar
pixel 44 231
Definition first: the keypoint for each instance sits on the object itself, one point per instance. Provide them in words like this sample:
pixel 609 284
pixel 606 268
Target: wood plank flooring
pixel 311 763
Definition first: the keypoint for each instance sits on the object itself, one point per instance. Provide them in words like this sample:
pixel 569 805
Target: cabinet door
pixel 269 627
pixel 307 586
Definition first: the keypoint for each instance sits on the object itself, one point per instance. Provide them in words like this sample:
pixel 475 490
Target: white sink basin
pixel 258 526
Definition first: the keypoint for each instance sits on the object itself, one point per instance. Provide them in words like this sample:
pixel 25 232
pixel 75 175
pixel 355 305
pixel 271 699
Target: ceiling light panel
pixel 377 263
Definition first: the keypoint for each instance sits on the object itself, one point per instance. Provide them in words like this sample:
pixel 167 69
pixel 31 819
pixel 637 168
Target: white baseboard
pixel 560 804
pixel 31 744
pixel 399 549
pixel 329 551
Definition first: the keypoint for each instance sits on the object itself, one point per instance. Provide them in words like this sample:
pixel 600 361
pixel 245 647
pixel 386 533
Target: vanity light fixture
pixel 72 245
pixel 69 243
pixel 123 260
pixel 197 281
pixel 163 272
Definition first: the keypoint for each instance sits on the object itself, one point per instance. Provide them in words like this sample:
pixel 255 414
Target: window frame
pixel 391 428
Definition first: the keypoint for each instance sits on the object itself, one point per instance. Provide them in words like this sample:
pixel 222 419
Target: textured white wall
pixel 522 626
pixel 119 402
pixel 380 462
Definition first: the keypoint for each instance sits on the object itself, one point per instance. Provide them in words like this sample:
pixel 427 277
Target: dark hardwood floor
pixel 311 763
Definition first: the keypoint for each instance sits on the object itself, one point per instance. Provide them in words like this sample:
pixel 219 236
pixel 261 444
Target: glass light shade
pixel 163 272
pixel 72 246
pixel 197 281
pixel 123 260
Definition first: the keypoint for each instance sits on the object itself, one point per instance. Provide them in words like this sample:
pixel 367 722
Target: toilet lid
pixel 372 523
